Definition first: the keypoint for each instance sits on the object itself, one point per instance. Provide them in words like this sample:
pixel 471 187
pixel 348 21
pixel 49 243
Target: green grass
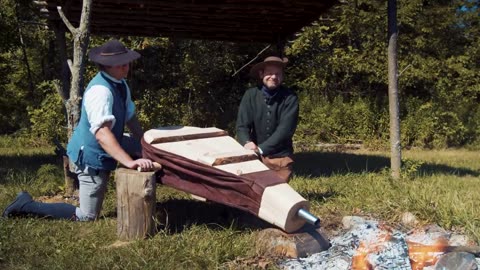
pixel 437 186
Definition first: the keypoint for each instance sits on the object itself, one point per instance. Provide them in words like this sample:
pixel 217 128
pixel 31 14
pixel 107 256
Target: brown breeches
pixel 282 166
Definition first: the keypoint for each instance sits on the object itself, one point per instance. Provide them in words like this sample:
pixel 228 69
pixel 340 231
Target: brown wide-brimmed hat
pixel 271 60
pixel 113 53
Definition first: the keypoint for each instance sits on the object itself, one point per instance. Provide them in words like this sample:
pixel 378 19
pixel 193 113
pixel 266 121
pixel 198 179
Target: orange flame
pixel 425 255
pixel 359 260
pixel 420 255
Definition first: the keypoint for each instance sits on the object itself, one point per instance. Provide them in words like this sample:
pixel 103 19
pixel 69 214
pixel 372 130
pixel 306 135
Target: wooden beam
pixel 175 134
pixel 228 157
pixel 184 17
pixel 245 167
pixel 230 20
pixel 197 149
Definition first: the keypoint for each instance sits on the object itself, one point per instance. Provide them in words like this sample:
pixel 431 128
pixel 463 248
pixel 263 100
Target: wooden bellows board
pixel 272 200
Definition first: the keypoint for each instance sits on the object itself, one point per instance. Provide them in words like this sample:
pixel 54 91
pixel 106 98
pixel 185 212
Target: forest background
pixel 337 66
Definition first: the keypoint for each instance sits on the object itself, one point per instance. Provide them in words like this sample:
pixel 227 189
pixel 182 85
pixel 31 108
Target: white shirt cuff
pixel 95 126
pixel 98 102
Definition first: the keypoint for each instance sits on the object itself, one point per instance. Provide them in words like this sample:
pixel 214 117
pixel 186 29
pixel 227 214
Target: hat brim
pixel 260 66
pixel 113 60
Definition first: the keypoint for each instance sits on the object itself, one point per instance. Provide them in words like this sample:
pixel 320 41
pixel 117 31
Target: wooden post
pixel 395 147
pixel 135 203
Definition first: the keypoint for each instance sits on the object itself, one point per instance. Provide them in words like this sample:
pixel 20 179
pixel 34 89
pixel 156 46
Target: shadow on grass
pixel 315 164
pixel 430 169
pixel 178 214
pixel 27 164
pixel 328 163
pixel 320 197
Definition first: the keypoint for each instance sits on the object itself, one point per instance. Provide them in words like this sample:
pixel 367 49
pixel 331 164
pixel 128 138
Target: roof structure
pixel 231 20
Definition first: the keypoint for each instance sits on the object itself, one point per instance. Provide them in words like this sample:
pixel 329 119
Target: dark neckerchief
pixel 120 87
pixel 269 94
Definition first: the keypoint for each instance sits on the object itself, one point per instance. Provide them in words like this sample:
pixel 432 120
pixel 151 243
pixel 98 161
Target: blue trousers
pixel 92 189
pixel 93 185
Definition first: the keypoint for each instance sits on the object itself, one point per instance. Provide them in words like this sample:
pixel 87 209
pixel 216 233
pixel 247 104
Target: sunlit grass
pixel 437 186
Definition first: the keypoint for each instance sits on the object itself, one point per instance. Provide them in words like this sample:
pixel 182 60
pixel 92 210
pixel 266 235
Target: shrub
pixel 49 179
pixel 339 121
pixel 48 119
pixel 431 126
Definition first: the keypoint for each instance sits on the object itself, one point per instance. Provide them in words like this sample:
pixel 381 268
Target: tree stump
pixel 135 203
pixel 305 242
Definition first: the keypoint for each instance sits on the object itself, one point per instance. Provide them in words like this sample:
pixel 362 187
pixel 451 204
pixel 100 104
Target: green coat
pixel 268 123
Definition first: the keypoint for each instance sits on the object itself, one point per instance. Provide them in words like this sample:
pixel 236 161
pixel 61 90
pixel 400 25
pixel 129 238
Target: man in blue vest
pixel 97 143
pixel 268 116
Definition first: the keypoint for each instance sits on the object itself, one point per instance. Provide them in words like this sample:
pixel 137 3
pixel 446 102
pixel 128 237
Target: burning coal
pixel 371 245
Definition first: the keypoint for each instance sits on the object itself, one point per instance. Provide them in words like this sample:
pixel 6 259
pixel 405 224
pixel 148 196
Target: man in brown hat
pixel 97 143
pixel 268 116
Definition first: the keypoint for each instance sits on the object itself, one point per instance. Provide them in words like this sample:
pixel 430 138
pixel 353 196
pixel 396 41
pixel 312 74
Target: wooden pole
pixel 135 203
pixel 395 147
pixel 280 47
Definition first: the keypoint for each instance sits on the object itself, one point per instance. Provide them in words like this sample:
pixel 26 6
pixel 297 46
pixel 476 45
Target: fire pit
pixel 369 244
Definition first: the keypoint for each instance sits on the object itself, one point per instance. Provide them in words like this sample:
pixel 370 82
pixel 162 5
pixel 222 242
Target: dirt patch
pixel 119 244
pixel 331 224
pixel 59 198
pixel 256 262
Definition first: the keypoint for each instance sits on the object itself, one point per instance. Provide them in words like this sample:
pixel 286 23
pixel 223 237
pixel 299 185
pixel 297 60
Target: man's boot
pixel 24 205
pixel 16 206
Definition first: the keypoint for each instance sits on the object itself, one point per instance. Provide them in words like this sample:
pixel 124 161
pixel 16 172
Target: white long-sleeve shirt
pixel 98 102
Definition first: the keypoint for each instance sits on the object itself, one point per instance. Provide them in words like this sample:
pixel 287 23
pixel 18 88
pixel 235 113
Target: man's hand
pixel 251 146
pixel 143 163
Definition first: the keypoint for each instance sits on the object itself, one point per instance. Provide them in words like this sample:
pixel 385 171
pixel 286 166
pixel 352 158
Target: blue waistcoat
pixel 83 148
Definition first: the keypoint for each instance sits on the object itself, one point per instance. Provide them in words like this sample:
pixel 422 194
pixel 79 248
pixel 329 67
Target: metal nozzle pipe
pixel 308 217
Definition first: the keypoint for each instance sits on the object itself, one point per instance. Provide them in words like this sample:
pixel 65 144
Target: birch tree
pixel 72 93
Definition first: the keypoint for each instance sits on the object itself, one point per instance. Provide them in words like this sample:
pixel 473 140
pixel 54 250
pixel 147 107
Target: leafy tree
pixel 338 66
pixel 345 55
pixel 23 53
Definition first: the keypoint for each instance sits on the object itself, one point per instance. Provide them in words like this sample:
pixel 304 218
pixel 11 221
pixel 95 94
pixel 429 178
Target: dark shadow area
pixel 31 162
pixel 328 163
pixel 429 169
pixel 317 164
pixel 319 197
pixel 28 164
pixel 176 215
pixel 316 234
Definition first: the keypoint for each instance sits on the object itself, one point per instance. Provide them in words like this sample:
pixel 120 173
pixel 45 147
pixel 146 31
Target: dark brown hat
pixel 113 53
pixel 271 60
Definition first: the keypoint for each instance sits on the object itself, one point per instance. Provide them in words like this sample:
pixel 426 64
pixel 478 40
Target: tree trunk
pixel 72 100
pixel 395 147
pixel 81 39
pixel 63 89
pixel 25 57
